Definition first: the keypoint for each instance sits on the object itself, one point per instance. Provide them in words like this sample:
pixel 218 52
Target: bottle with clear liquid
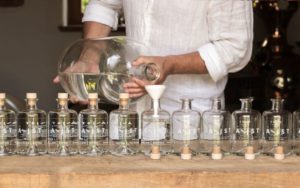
pixel 277 131
pixel 296 126
pixel 123 129
pixel 185 130
pixel 93 124
pixel 156 133
pixel 8 131
pixel 62 129
pixel 215 131
pixel 247 131
pixel 32 129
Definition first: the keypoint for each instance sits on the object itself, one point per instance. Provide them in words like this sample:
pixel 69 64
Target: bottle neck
pixel 31 104
pixel 186 104
pixel 277 104
pixel 123 104
pixel 246 104
pixel 62 104
pixel 93 104
pixel 217 105
pixel 2 105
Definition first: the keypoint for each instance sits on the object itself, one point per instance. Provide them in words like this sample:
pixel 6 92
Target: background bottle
pixel 185 130
pixel 7 129
pixel 32 129
pixel 246 130
pixel 215 131
pixel 277 124
pixel 123 129
pixel 296 126
pixel 62 128
pixel 93 128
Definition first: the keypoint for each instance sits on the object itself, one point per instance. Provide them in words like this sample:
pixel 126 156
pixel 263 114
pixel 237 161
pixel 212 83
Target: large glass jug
pixel 103 65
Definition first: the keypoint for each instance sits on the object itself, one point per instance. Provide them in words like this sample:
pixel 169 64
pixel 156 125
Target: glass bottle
pixel 7 129
pixel 93 128
pixel 156 134
pixel 215 131
pixel 62 128
pixel 185 130
pixel 32 128
pixel 296 126
pixel 277 124
pixel 247 131
pixel 123 129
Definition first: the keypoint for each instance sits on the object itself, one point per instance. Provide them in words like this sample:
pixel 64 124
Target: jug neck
pixel 146 71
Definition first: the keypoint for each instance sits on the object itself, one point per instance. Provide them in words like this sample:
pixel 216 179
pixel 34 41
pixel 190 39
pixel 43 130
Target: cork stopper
pixel 93 99
pixel 2 99
pixel 155 152
pixel 123 98
pixel 216 153
pixel 279 154
pixel 62 95
pixel 186 153
pixel 93 96
pixel 249 153
pixel 31 98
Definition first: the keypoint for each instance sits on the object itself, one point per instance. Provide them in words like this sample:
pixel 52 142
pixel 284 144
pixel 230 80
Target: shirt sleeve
pixel 103 11
pixel 230 31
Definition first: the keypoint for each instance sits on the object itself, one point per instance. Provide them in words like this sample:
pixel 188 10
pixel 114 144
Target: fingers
pixel 136 88
pixel 141 60
pixel 56 80
pixel 74 99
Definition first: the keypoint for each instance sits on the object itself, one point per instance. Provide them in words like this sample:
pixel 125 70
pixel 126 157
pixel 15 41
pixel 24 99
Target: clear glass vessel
pixel 186 130
pixel 102 66
pixel 215 131
pixel 62 129
pixel 123 129
pixel 93 124
pixel 247 131
pixel 8 131
pixel 277 126
pixel 296 126
pixel 156 133
pixel 32 129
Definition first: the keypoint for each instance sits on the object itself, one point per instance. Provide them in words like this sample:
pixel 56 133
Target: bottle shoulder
pixel 92 111
pixel 120 111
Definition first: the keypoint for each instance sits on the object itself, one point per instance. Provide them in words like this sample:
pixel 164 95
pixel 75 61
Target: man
pixel 196 43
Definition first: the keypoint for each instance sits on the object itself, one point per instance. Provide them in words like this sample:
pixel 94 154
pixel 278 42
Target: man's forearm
pixel 190 63
pixel 95 30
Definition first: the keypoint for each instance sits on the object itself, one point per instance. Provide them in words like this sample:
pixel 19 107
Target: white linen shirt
pixel 220 30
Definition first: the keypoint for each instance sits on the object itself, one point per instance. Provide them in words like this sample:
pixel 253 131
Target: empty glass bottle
pixel 277 126
pixel 296 126
pixel 215 131
pixel 123 129
pixel 185 130
pixel 247 130
pixel 155 126
pixel 93 124
pixel 7 129
pixel 62 128
pixel 32 129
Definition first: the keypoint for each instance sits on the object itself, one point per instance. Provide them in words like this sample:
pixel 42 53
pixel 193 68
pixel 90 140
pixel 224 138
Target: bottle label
pixel 185 129
pixel 155 131
pixel 123 127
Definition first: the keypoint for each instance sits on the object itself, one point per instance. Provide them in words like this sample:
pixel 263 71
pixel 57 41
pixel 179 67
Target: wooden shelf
pixel 139 171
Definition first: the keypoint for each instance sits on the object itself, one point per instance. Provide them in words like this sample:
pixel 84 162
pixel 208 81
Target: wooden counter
pixel 141 172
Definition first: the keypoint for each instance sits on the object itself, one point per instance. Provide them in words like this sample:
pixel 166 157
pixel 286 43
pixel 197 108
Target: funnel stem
pixel 155 106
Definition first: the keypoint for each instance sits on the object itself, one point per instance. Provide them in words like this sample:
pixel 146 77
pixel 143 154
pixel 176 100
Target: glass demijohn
pixel 123 129
pixel 32 129
pixel 246 130
pixel 277 125
pixel 93 124
pixel 215 131
pixel 62 129
pixel 155 126
pixel 185 130
pixel 102 66
pixel 7 129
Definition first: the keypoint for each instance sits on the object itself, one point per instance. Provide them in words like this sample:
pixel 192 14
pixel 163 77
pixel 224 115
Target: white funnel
pixel 155 91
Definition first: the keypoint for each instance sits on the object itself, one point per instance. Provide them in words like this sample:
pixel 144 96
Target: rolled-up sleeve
pixel 103 11
pixel 230 31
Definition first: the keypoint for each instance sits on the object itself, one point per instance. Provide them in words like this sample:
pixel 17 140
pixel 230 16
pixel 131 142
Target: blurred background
pixel 34 33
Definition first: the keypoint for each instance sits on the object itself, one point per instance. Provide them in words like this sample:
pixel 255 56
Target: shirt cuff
pixel 101 14
pixel 215 67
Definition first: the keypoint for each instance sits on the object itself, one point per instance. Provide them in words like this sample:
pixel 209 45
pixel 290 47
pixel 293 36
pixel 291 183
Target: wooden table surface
pixel 140 171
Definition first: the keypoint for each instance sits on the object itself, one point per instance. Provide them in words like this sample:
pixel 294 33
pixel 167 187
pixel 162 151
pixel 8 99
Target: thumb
pixel 56 80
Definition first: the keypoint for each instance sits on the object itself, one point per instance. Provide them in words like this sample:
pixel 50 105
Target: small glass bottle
pixel 32 129
pixel 123 129
pixel 93 128
pixel 215 131
pixel 156 134
pixel 277 124
pixel 7 129
pixel 62 128
pixel 247 130
pixel 185 130
pixel 296 125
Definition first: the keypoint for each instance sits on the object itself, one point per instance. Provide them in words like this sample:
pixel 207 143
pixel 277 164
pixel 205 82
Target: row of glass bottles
pixel 219 132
